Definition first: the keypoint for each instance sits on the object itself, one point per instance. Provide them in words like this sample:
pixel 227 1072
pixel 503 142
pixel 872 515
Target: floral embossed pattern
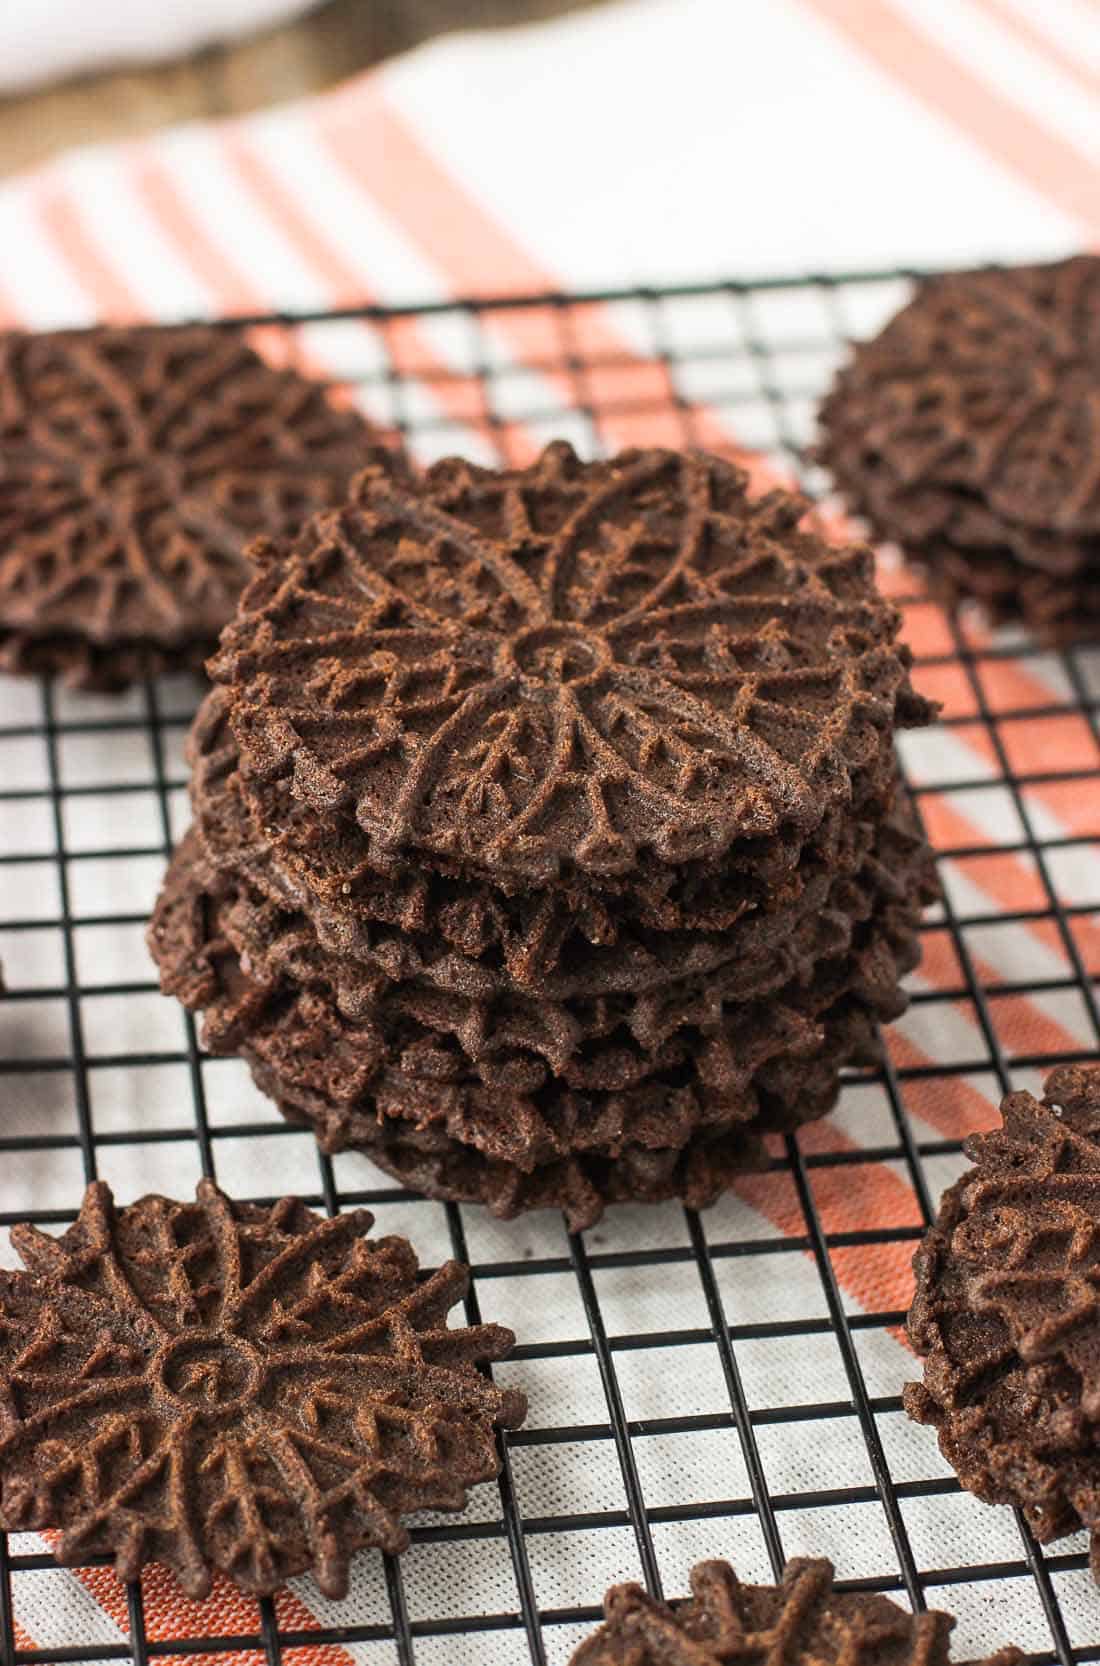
pixel 803 1621
pixel 969 431
pixel 224 1386
pixel 547 838
pixel 135 465
pixel 572 667
pixel 1007 1311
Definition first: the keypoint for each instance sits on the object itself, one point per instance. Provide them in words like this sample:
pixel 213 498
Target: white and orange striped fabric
pixel 645 141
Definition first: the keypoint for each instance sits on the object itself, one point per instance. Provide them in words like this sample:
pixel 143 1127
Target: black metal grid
pixel 495 376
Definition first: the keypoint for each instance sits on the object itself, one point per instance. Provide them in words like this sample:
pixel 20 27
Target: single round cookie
pixel 1007 1312
pixel 574 668
pixel 803 1621
pixel 135 466
pixel 224 1386
pixel 968 430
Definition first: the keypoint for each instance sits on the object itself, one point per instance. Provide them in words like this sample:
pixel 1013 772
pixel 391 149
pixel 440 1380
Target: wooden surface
pixel 339 39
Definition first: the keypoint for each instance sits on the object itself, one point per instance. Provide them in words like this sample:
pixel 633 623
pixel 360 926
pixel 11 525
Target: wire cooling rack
pixel 725 1384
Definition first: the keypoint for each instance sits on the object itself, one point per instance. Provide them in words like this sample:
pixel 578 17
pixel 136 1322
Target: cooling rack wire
pixel 724 1384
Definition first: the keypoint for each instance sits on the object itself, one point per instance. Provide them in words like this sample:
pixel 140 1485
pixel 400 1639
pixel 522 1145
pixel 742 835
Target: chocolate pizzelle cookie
pixel 967 431
pixel 547 840
pixel 218 1385
pixel 803 1621
pixel 1007 1312
pixel 135 464
pixel 566 671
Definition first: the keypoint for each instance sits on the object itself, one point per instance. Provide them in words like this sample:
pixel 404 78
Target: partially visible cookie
pixel 803 1621
pixel 1007 1312
pixel 220 1385
pixel 135 466
pixel 967 431
pixel 92 667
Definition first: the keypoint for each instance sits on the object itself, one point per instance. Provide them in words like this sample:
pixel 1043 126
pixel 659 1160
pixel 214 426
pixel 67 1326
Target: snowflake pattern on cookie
pixel 968 430
pixel 568 667
pixel 1007 1311
pixel 136 464
pixel 222 1385
pixel 803 1621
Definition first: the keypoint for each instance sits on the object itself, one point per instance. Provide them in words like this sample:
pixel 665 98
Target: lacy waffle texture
pixel 219 1385
pixel 802 1621
pixel 547 840
pixel 1007 1313
pixel 136 465
pixel 968 432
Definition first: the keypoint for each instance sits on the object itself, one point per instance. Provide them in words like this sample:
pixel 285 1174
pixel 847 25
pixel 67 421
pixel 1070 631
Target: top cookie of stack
pixel 546 841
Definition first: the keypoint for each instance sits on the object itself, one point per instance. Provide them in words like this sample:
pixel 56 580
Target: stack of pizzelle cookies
pixel 547 838
pixel 966 430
